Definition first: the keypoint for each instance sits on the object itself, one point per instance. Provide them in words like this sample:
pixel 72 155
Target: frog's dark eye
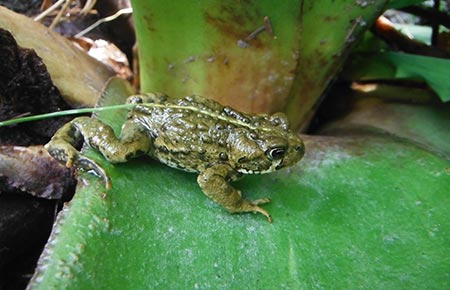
pixel 223 156
pixel 276 153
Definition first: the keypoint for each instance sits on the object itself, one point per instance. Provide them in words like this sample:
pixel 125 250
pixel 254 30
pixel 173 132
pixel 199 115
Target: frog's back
pixel 188 133
pixel 194 132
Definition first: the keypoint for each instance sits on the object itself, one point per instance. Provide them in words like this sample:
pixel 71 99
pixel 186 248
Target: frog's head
pixel 270 147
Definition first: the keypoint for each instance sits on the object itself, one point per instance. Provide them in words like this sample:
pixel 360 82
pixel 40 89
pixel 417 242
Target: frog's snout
pixel 297 151
pixel 300 148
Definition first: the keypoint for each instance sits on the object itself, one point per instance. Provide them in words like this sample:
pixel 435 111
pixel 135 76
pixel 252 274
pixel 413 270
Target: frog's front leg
pixel 214 182
pixel 132 142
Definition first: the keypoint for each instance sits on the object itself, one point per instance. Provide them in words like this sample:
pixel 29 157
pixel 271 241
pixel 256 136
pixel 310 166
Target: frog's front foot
pixel 253 206
pixel 214 183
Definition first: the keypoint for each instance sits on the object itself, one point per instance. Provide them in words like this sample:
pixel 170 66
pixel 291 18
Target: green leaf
pixel 367 210
pixel 385 227
pixel 388 65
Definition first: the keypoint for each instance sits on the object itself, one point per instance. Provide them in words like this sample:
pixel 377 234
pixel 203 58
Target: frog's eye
pixel 276 153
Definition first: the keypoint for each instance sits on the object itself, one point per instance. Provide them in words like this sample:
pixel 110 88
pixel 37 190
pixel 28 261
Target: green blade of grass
pixel 64 113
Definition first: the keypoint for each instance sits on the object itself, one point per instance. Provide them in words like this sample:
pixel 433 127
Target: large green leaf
pixel 362 211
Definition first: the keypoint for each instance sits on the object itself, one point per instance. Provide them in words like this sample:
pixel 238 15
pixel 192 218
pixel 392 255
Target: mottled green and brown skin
pixel 193 134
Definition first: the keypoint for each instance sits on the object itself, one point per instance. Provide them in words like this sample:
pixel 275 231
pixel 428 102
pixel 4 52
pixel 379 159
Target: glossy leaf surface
pixel 367 210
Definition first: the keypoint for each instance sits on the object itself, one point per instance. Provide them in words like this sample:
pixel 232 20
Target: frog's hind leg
pixel 101 137
pixel 214 183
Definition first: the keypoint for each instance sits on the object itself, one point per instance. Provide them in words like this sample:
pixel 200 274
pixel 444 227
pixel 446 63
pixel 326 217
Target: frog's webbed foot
pixel 213 182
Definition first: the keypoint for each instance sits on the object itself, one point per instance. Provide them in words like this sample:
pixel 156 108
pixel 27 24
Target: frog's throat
pixel 242 121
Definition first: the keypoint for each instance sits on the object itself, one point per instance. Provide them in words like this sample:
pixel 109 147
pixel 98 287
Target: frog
pixel 194 134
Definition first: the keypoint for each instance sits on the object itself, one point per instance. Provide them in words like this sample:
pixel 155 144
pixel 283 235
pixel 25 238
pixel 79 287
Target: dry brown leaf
pixel 33 170
pixel 79 77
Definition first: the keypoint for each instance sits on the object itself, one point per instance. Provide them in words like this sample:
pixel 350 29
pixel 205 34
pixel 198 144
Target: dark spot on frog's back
pixel 280 120
pixel 242 159
pixel 179 166
pixel 223 156
pixel 202 156
pixel 252 135
pixel 136 99
pixel 163 149
pixel 234 114
pixel 276 121
pixel 206 139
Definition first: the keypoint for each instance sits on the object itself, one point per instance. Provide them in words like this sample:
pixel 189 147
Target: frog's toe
pixel 252 206
pixel 261 201
pixel 264 212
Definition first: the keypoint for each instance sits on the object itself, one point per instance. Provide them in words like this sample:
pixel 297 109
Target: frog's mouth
pixel 273 167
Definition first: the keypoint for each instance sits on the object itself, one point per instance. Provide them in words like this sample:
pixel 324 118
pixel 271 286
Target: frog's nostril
pixel 300 150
